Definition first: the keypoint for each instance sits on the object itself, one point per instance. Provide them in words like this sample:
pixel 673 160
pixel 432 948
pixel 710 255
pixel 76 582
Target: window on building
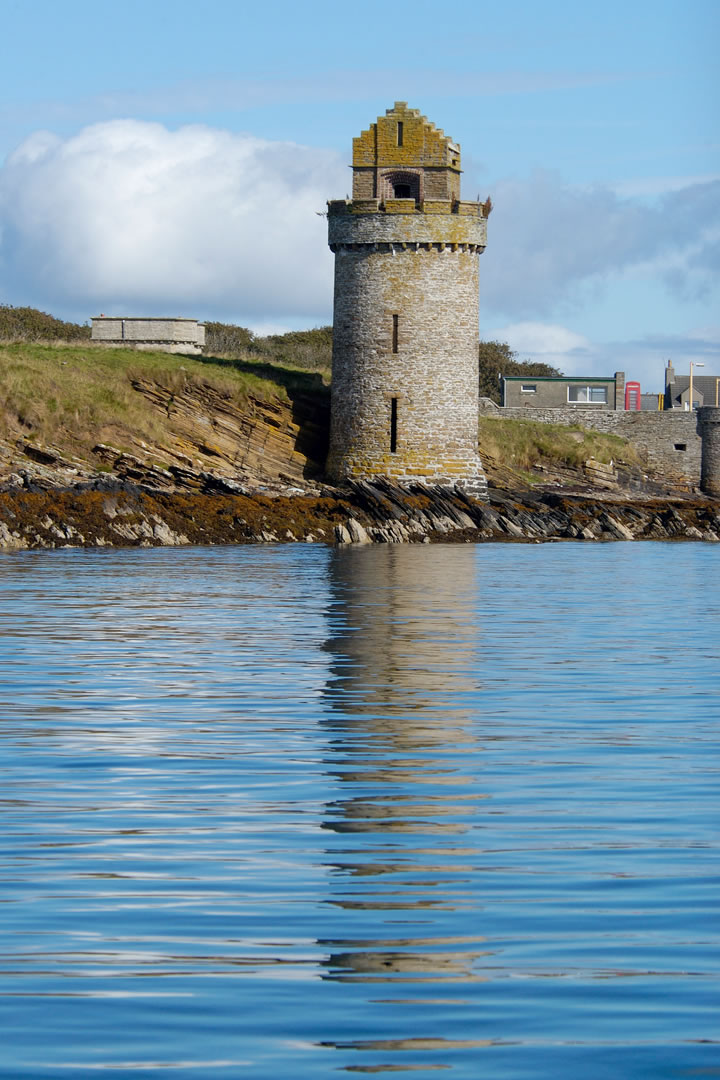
pixel 596 395
pixel 680 446
pixel 393 425
pixel 396 323
pixel 400 133
pixel 528 388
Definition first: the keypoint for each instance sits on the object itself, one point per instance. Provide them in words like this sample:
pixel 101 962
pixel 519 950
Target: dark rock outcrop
pixel 122 513
pixel 224 471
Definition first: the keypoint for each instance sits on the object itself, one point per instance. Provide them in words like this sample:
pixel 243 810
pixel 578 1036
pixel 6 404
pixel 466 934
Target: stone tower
pixel 405 325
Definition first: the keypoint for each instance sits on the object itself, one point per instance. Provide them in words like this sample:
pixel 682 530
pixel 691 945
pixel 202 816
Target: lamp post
pixel 692 365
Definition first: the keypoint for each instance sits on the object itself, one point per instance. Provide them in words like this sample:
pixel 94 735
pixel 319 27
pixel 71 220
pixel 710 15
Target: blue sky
pixel 174 157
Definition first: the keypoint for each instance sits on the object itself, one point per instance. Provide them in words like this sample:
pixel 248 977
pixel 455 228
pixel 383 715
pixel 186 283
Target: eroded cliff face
pixel 225 473
pixel 208 439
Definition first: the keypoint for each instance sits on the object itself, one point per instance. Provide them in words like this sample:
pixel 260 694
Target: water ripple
pixel 285 811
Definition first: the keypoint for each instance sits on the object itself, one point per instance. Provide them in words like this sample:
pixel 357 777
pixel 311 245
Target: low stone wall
pixel 670 439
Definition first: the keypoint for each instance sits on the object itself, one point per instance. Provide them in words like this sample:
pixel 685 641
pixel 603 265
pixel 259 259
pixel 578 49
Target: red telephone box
pixel 632 396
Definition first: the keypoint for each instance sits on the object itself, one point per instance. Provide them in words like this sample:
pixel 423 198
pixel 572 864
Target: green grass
pixel 76 395
pixel 309 350
pixel 524 444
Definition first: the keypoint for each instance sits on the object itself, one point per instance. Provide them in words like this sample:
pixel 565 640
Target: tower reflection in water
pixel 406 763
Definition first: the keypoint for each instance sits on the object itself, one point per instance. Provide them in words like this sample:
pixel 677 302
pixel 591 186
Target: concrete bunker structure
pixel 406 322
pixel 175 335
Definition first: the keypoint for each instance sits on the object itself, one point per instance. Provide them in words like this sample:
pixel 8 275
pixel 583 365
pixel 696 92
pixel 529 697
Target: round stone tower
pixel 405 325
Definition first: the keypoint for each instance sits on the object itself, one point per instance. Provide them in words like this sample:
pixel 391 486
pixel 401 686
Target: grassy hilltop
pixel 77 395
pixel 60 390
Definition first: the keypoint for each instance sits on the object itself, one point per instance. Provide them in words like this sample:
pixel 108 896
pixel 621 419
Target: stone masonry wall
pixel 709 424
pixel 423 269
pixel 423 149
pixel 433 223
pixel 659 434
pixel 167 334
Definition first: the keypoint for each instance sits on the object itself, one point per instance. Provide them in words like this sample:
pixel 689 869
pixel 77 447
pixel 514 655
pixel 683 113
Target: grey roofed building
pixel 561 391
pixel 706 389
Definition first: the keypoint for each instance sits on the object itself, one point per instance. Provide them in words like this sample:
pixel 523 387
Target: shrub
pixel 29 324
pixel 496 359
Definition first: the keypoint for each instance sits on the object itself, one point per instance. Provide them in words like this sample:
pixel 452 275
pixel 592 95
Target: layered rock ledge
pixel 124 514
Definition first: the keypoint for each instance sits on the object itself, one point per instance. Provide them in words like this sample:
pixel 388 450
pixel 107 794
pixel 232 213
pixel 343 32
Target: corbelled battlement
pixel 409 206
pixel 435 225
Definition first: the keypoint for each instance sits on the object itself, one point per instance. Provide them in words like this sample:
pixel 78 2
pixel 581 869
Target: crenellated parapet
pixel 461 207
pixel 434 225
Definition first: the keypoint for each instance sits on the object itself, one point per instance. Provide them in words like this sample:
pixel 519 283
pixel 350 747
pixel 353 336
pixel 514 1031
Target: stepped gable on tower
pixel 405 341
pixel 403 150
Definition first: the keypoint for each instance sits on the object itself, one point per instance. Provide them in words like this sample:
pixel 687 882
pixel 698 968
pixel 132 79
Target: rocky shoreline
pixel 120 513
pixel 187 458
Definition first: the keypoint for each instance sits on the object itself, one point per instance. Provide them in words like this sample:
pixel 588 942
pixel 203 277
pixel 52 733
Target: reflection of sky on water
pixel 240 789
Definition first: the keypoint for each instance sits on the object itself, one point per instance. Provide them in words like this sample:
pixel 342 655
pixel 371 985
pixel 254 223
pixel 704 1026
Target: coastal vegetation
pixel 58 388
pixel 29 324
pixel 78 395
pixel 102 445
pixel 309 350
pixel 498 359
pixel 528 444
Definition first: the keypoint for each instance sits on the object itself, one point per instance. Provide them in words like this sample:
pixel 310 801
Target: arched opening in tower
pixel 401 185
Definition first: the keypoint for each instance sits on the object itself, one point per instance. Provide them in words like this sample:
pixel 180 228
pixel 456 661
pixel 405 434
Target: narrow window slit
pixel 396 323
pixel 393 425
pixel 400 133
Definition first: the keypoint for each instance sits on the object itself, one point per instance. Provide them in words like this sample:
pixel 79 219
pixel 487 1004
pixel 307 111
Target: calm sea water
pixel 288 811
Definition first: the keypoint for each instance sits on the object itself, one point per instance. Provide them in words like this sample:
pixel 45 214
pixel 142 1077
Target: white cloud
pixel 651 186
pixel 547 344
pixel 548 243
pixel 645 358
pixel 642 359
pixel 127 215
